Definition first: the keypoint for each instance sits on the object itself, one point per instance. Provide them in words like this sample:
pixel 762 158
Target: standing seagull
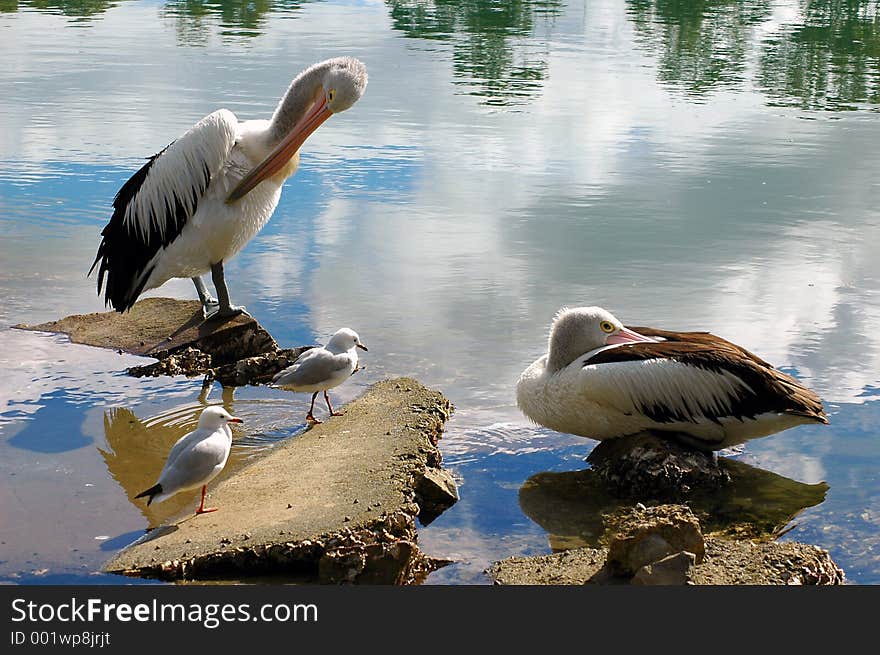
pixel 602 380
pixel 320 369
pixel 196 458
pixel 197 202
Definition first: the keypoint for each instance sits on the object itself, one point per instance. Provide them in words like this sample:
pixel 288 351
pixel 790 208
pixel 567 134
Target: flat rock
pixel 730 562
pixel 157 327
pixel 570 567
pixel 234 351
pixel 337 503
pixel 726 562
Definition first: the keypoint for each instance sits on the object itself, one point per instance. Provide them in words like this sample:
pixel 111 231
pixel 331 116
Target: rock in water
pixel 650 466
pixel 234 351
pixel 642 537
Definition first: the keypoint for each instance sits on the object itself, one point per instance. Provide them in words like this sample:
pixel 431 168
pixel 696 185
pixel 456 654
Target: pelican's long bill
pixel 284 151
pixel 625 335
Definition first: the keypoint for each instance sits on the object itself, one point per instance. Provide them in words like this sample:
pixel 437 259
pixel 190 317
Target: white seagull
pixel 320 369
pixel 602 380
pixel 196 458
pixel 195 204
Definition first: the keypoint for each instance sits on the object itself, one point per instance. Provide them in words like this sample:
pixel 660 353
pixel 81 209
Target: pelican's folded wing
pixel 152 207
pixel 671 381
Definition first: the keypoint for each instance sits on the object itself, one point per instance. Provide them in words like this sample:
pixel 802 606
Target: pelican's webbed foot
pixel 229 311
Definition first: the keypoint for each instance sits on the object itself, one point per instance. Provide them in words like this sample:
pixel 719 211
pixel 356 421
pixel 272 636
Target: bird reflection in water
pixel 755 504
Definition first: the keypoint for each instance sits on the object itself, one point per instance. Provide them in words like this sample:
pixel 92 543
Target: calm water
pixel 707 165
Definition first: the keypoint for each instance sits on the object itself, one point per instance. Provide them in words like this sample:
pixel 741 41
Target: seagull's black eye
pixel 607 326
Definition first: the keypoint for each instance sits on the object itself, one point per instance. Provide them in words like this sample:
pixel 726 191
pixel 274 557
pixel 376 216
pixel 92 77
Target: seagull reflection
pixel 756 504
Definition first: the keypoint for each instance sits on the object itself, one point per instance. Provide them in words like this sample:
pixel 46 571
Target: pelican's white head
pixel 345 339
pixel 343 82
pixel 214 417
pixel 579 330
pixel 321 90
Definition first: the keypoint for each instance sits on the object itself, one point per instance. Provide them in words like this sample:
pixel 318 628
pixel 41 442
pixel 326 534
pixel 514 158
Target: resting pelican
pixel 602 380
pixel 196 458
pixel 197 202
pixel 320 369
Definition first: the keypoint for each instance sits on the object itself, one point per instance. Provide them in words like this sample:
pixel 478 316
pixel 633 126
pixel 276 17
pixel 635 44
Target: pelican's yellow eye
pixel 607 326
pixel 331 94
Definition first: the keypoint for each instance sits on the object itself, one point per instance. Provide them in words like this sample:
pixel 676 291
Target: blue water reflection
pixel 688 165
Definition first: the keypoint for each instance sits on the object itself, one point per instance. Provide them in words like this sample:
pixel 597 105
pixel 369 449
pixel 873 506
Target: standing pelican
pixel 196 458
pixel 602 380
pixel 197 202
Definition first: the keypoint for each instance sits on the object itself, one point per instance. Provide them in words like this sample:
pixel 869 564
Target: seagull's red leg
pixel 310 417
pixel 202 509
pixel 327 398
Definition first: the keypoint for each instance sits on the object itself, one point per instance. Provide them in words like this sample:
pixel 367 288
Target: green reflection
pixel 495 51
pixel 78 9
pixel 827 57
pixel 700 45
pixel 236 17
pixel 194 18
pixel 829 60
pixel 756 504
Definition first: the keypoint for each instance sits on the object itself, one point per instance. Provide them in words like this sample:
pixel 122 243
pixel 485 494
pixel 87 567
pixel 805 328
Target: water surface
pixel 704 165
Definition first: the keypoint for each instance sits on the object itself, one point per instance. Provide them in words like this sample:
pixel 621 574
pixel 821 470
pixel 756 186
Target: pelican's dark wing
pixel 152 207
pixel 703 379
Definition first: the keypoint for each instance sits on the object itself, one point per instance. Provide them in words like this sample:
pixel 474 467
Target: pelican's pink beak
pixel 625 335
pixel 284 151
pixel 235 419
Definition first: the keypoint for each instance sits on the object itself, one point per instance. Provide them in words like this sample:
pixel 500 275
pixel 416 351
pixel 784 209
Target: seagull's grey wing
pixel 194 465
pixel 321 366
pixel 180 445
pixel 286 373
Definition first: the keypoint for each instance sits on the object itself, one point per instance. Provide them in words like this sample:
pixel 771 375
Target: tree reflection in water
pixel 495 52
pixel 826 57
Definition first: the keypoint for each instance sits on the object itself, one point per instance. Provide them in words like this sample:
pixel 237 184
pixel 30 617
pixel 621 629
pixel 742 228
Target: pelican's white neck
pixel 300 95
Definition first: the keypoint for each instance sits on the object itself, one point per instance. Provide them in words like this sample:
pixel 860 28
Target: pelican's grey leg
pixel 223 293
pixel 209 304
